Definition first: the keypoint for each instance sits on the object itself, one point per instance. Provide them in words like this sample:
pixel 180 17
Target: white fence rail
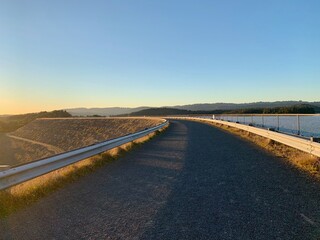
pixel 304 125
pixel 302 144
pixel 25 172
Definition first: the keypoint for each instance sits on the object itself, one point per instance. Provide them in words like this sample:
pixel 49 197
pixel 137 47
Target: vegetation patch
pixel 27 193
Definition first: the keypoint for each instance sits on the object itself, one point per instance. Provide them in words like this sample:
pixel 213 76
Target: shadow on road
pixel 193 181
pixel 231 189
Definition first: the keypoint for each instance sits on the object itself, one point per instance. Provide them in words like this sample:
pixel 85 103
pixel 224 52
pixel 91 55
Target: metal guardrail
pixel 252 119
pixel 28 171
pixel 296 142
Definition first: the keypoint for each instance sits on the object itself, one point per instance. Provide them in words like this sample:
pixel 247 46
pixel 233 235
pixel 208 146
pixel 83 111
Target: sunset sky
pixel 63 54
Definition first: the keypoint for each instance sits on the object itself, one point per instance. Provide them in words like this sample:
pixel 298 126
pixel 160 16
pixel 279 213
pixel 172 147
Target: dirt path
pixel 51 148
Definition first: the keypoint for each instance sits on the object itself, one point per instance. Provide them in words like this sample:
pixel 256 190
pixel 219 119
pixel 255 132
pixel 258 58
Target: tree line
pixel 295 109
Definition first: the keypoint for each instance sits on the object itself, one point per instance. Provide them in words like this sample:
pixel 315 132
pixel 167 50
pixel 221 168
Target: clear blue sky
pixel 61 54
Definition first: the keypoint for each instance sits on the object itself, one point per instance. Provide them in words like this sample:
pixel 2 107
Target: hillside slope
pixel 46 137
pixel 73 133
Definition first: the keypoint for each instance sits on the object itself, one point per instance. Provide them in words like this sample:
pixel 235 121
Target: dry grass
pixel 303 161
pixel 13 152
pixel 24 194
pixel 80 133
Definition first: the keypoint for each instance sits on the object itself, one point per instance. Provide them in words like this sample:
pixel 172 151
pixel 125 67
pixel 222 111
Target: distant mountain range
pixel 234 106
pixel 111 111
pixel 168 112
pixel 294 109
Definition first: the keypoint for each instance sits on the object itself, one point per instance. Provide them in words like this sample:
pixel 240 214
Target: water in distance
pixel 307 126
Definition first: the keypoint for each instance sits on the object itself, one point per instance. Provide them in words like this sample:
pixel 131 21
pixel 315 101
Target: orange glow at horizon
pixel 22 106
pixel 13 108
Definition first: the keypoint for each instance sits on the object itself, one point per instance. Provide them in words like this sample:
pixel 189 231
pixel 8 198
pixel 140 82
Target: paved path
pixel 192 182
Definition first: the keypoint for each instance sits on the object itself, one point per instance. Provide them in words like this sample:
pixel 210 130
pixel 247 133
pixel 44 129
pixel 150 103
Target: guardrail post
pixel 298 124
pixel 262 120
pixel 278 120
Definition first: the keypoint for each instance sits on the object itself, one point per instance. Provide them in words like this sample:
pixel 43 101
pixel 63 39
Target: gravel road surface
pixel 193 181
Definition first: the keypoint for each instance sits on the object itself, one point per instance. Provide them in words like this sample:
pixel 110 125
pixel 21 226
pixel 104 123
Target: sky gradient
pixel 63 54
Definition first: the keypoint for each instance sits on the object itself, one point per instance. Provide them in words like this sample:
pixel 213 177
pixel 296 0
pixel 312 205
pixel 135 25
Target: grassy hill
pixel 102 111
pixel 46 137
pixel 13 122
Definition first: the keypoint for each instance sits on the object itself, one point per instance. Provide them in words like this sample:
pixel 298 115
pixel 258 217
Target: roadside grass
pixel 301 160
pixel 24 194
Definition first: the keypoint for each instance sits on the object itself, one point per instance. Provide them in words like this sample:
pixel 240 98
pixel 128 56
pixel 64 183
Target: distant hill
pixel 13 122
pixel 233 106
pixel 209 107
pixel 168 112
pixel 294 109
pixel 317 109
pixel 158 112
pixel 102 111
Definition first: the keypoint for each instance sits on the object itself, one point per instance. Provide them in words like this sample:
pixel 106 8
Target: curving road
pixel 193 181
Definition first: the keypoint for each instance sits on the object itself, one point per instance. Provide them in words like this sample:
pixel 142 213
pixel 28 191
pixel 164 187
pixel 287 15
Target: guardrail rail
pixel 295 124
pixel 304 145
pixel 28 171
